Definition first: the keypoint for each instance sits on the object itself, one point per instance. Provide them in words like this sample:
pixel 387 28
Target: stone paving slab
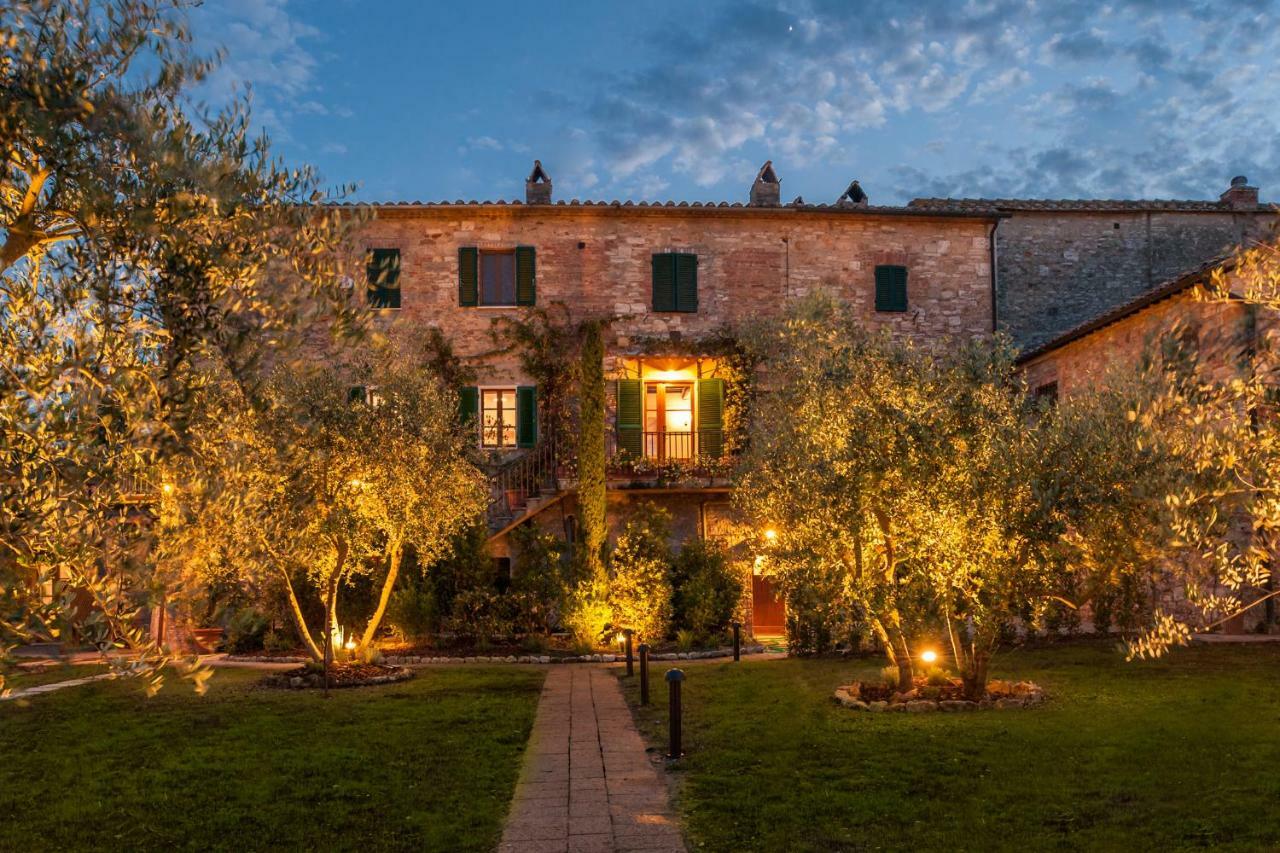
pixel 586 785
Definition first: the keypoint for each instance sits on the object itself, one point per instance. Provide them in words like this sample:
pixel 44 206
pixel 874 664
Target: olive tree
pixel 830 466
pixel 334 480
pixel 1214 410
pixel 923 477
pixel 139 244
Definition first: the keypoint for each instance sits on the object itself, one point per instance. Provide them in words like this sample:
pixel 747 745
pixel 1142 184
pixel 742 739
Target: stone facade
pixel 1056 270
pixel 1062 263
pixel 596 261
pixel 1219 329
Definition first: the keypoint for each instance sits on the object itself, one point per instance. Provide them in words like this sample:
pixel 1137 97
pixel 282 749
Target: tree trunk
pixel 974 675
pixel 888 627
pixel 395 556
pixel 303 631
pixel 331 609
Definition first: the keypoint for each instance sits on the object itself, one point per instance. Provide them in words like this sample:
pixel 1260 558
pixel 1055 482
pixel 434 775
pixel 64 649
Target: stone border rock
pixel 1026 695
pixel 402 660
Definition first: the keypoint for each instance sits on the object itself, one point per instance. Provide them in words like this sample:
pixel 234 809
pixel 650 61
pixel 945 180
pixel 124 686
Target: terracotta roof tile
pixel 1072 204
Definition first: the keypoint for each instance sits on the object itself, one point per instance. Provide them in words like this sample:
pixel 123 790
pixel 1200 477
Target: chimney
pixel 1240 196
pixel 854 195
pixel 767 189
pixel 537 189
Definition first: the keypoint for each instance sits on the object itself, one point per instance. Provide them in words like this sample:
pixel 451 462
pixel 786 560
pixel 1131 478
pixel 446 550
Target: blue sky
pixel 427 100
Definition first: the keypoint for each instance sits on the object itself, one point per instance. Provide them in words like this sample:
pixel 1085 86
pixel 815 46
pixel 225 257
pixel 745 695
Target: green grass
pixel 427 764
pixel 1182 753
pixel 18 679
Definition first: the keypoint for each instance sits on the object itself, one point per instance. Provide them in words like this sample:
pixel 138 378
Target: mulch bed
pixel 340 675
pixel 948 696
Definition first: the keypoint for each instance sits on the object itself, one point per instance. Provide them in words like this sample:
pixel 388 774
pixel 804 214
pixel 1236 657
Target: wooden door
pixel 768 613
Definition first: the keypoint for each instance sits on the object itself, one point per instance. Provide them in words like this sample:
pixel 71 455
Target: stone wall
pixel 1219 329
pixel 1059 269
pixel 751 263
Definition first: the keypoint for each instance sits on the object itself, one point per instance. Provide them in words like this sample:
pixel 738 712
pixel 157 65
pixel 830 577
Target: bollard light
pixel 630 665
pixel 675 678
pixel 644 673
pixel 737 641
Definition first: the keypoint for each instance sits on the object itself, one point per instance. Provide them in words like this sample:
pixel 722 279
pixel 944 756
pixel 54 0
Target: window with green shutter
pixel 382 267
pixel 675 282
pixel 468 405
pixel 710 417
pixel 526 416
pixel 891 288
pixel 629 415
pixel 468 276
pixel 526 275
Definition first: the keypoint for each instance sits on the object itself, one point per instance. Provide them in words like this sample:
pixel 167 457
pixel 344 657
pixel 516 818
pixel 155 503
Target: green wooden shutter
pixel 468 275
pixel 686 272
pixel 382 269
pixel 526 275
pixel 710 417
pixel 468 405
pixel 526 416
pixel 664 282
pixel 891 288
pixel 630 413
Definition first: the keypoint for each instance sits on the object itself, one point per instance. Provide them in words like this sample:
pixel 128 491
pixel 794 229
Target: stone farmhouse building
pixel 675 279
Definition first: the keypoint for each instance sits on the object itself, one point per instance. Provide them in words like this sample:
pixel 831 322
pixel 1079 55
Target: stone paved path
pixel 587 784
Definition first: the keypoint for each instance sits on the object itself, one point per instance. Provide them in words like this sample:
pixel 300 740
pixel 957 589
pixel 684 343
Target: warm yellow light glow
pixel 771 534
pixel 668 375
pixel 350 645
pixel 620 639
pixel 167 488
pixel 355 484
pixel 929 656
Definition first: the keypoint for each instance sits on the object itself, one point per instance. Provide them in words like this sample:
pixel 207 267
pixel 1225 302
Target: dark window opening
pixel 1048 392
pixel 382 268
pixel 497 278
pixel 501 574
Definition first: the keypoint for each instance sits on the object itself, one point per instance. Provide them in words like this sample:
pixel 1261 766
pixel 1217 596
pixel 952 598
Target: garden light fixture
pixel 929 656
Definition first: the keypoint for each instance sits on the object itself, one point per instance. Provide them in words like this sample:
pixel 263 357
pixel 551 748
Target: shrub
pixel 706 590
pixel 413 611
pixel 538 588
pixel 818 612
pixel 587 614
pixel 481 614
pixel 246 631
pixel 640 568
pixel 685 640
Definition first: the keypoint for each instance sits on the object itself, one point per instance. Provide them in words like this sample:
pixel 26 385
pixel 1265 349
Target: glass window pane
pixel 497 278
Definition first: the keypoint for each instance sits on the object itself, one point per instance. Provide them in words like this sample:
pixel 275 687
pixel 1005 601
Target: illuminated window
pixel 668 420
pixel 498 417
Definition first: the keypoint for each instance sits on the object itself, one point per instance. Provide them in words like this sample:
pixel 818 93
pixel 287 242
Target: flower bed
pixel 340 675
pixel 948 696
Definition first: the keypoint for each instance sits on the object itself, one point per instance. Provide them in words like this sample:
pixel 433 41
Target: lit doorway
pixel 668 420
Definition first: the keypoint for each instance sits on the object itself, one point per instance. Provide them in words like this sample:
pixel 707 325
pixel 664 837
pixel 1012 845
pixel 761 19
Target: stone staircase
pixel 523 487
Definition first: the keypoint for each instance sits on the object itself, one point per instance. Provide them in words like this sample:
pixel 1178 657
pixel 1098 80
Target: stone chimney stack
pixel 767 190
pixel 1240 196
pixel 537 189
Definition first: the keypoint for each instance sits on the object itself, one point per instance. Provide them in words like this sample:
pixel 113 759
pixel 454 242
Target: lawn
pixel 1182 753
pixel 427 764
pixel 21 679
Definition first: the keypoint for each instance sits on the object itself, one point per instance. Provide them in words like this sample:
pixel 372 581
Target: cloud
pixel 267 48
pixel 1092 97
